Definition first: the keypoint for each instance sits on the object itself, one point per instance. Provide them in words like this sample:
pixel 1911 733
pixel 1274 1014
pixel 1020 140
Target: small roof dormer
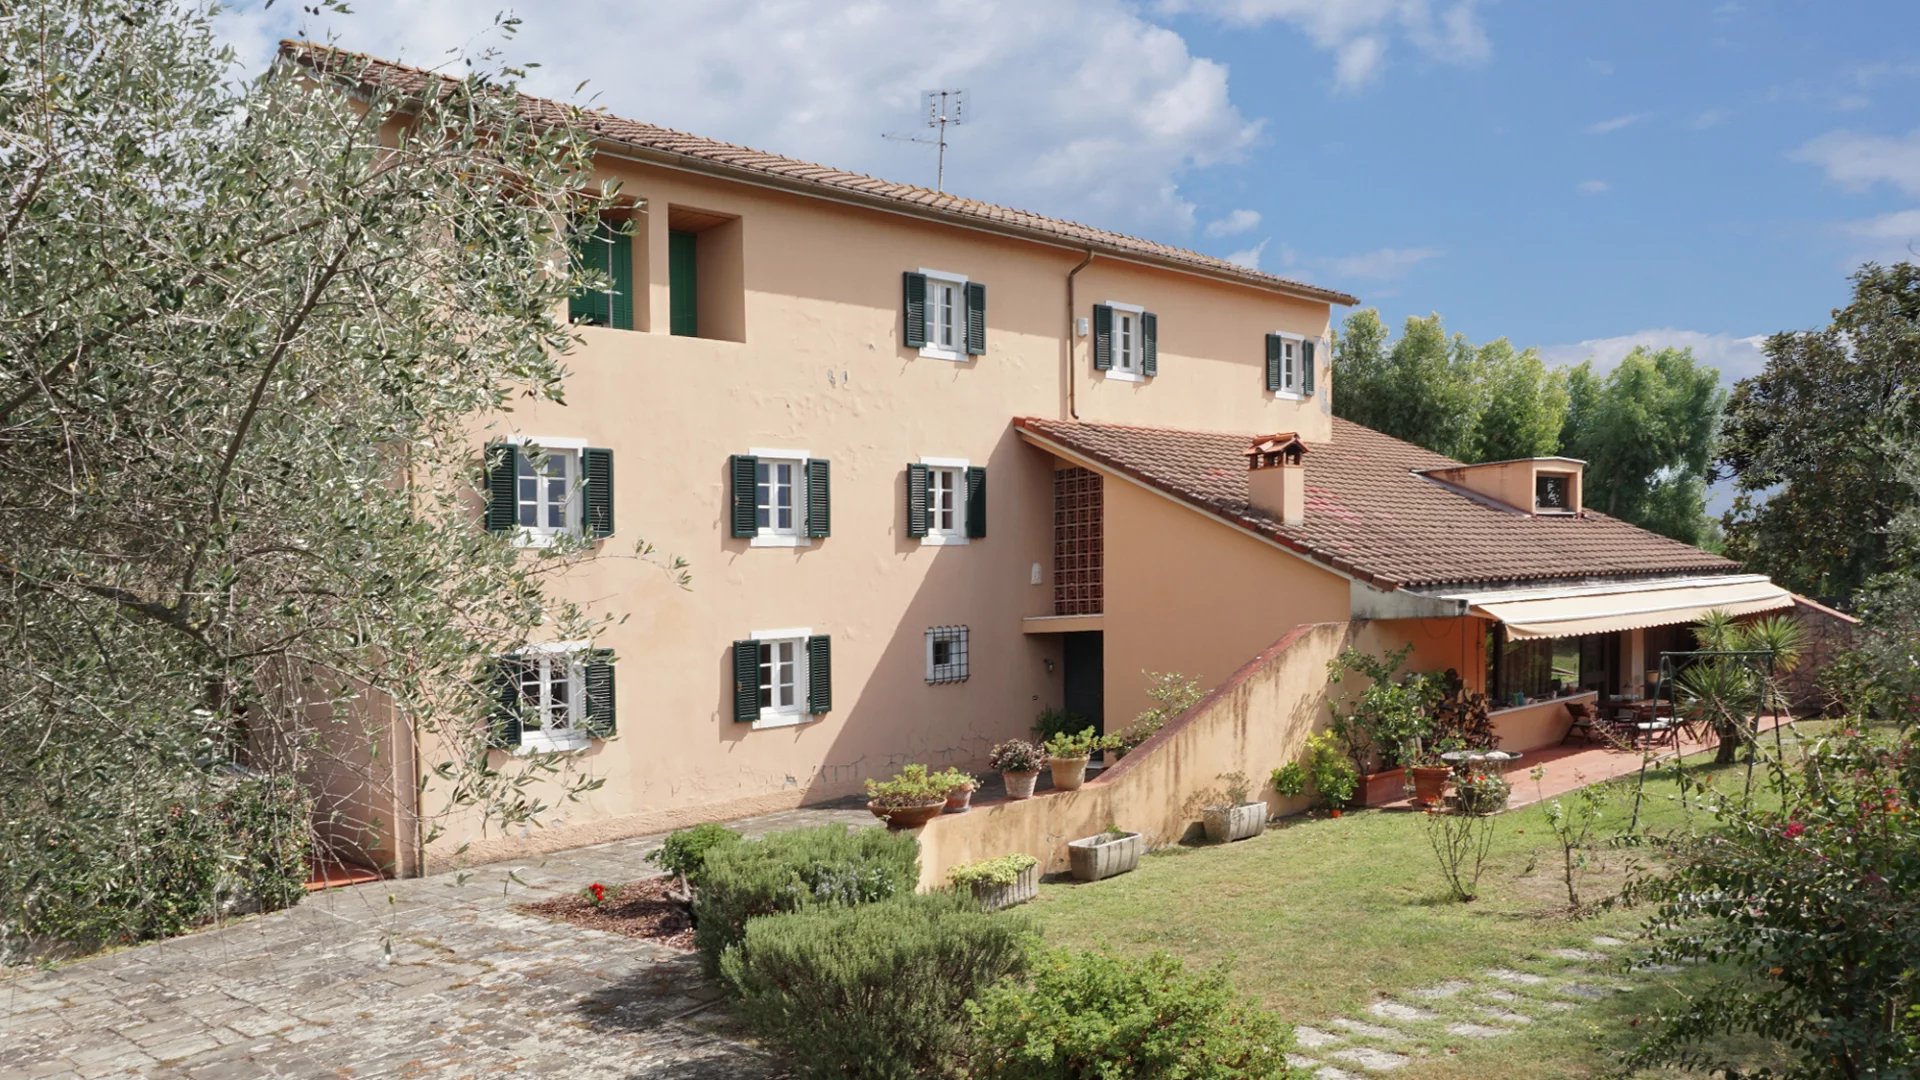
pixel 1540 486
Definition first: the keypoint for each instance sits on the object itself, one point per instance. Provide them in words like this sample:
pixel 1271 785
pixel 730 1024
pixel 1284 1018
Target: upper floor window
pixel 780 497
pixel 1290 365
pixel 944 315
pixel 603 247
pixel 541 488
pixel 946 501
pixel 1553 492
pixel 1125 341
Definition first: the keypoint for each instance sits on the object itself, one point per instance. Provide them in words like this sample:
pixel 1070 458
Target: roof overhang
pixel 1601 607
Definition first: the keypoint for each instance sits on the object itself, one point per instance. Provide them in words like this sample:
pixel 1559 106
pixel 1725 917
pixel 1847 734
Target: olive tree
pixel 252 333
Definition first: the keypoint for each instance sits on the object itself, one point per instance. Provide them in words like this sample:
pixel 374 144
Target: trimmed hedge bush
pixel 1084 1016
pixel 684 853
pixel 877 991
pixel 789 871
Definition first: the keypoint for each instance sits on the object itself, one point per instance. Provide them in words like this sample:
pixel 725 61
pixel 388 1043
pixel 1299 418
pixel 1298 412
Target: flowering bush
pixel 596 894
pixel 1482 793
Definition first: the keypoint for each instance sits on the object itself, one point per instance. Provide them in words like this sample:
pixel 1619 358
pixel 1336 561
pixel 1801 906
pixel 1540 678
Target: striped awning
pixel 1592 609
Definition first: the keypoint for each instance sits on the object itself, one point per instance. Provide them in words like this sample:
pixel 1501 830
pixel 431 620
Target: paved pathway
pixel 434 977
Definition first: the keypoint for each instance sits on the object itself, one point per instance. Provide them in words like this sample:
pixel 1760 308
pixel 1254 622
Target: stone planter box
pixel 1024 888
pixel 1103 855
pixel 1225 824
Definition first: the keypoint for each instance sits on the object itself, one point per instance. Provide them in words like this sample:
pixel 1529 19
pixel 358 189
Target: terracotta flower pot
pixel 1430 784
pixel 1019 784
pixel 1335 812
pixel 909 817
pixel 960 799
pixel 1068 772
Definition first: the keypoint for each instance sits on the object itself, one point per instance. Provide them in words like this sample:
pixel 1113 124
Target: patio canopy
pixel 1592 609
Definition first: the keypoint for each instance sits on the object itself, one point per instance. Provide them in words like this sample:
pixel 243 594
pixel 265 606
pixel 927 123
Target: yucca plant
pixel 1727 691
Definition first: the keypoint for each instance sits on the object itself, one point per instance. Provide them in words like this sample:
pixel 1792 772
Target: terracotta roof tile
pixel 1369 514
pixel 693 150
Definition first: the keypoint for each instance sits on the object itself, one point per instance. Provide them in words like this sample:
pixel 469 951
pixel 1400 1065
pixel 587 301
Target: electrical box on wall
pixel 1080 326
pixel 1036 574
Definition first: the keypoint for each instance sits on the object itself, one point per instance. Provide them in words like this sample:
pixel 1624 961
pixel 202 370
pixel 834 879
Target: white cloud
pixel 1081 108
pixel 1613 124
pixel 1381 264
pixel 1358 33
pixel 1708 118
pixel 1857 161
pixel 1234 223
pixel 1888 238
pixel 1736 357
pixel 1250 257
pixel 1593 187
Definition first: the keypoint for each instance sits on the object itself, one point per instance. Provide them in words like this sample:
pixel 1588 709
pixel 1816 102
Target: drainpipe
pixel 1073 405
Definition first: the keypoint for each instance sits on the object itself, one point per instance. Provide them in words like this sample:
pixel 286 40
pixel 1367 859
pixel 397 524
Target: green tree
pixel 1525 404
pixel 1813 442
pixel 1425 390
pixel 251 339
pixel 1646 431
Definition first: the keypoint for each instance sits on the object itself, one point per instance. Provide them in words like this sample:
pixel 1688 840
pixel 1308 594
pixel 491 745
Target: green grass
pixel 1321 917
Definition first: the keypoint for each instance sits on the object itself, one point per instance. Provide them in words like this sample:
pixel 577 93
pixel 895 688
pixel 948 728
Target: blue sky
pixel 1581 177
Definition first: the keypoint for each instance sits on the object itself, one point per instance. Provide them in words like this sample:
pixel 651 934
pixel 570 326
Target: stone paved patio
pixel 434 977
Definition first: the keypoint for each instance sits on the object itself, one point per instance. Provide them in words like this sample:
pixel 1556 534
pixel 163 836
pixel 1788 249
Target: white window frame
pixel 775 716
pixel 964 666
pixel 571 450
pixel 771 535
pixel 574 736
pixel 956 536
pixel 933 350
pixel 1290 387
pixel 1128 364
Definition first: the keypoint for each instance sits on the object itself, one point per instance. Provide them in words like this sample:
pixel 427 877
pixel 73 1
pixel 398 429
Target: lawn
pixel 1323 917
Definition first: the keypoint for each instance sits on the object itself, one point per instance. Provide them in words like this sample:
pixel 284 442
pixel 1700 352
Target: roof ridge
pixel 977 212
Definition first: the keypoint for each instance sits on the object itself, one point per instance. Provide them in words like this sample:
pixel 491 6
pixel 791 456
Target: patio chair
pixel 1583 720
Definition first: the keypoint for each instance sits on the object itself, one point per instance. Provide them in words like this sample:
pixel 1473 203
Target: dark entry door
pixel 1085 682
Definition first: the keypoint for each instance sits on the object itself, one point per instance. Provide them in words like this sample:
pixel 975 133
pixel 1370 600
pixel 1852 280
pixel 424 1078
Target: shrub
pixel 876 991
pixel 1333 773
pixel 1001 871
pixel 1393 715
pixel 1289 779
pixel 684 853
pixel 1095 1015
pixel 1172 694
pixel 1053 722
pixel 1460 842
pixel 788 871
pixel 1017 756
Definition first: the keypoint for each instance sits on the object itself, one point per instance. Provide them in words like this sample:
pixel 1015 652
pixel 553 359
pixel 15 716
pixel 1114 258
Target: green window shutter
pixel 819 499
pixel 1306 368
pixel 916 500
pixel 505 722
pixel 1102 337
pixel 620 259
pixel 1274 346
pixel 976 501
pixel 600 700
pixel 976 319
pixel 913 310
pixel 683 301
pixel 1149 344
pixel 741 468
pixel 596 501
pixel 819 674
pixel 591 253
pixel 503 469
pixel 746 681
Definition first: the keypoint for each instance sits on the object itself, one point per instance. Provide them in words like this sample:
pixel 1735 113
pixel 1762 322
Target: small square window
pixel 1553 493
pixel 947 654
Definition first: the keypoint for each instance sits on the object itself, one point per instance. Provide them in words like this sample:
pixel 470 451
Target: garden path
pixel 433 977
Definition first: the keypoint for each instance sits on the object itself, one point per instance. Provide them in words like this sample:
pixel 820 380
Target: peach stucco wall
pixel 821 369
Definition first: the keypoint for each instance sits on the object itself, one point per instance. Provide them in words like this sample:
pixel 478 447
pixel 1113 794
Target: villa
pixel 938 465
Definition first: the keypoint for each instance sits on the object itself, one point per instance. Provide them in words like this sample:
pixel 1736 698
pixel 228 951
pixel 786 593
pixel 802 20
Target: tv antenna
pixel 941 108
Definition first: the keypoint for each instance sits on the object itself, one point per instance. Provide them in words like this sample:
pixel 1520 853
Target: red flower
pixel 599 892
pixel 1794 829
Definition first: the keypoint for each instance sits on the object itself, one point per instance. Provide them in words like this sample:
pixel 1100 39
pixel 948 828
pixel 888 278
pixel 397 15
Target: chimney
pixel 1277 477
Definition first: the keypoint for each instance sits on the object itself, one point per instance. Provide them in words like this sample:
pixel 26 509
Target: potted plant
pixel 1383 727
pixel 1018 763
pixel 910 799
pixel 960 788
pixel 1103 855
pixel 1430 772
pixel 1235 816
pixel 1332 771
pixel 1481 793
pixel 999 883
pixel 1067 756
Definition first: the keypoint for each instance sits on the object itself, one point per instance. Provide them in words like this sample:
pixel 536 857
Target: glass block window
pixel 1078 545
pixel 946 654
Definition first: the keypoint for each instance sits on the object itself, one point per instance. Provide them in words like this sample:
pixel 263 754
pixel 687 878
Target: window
pixel 1290 365
pixel 706 274
pixel 1532 669
pixel 1553 492
pixel 554 697
pixel 541 488
pixel 605 249
pixel 782 677
pixel 1124 344
pixel 944 315
pixel 947 654
pixel 780 498
pixel 946 501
